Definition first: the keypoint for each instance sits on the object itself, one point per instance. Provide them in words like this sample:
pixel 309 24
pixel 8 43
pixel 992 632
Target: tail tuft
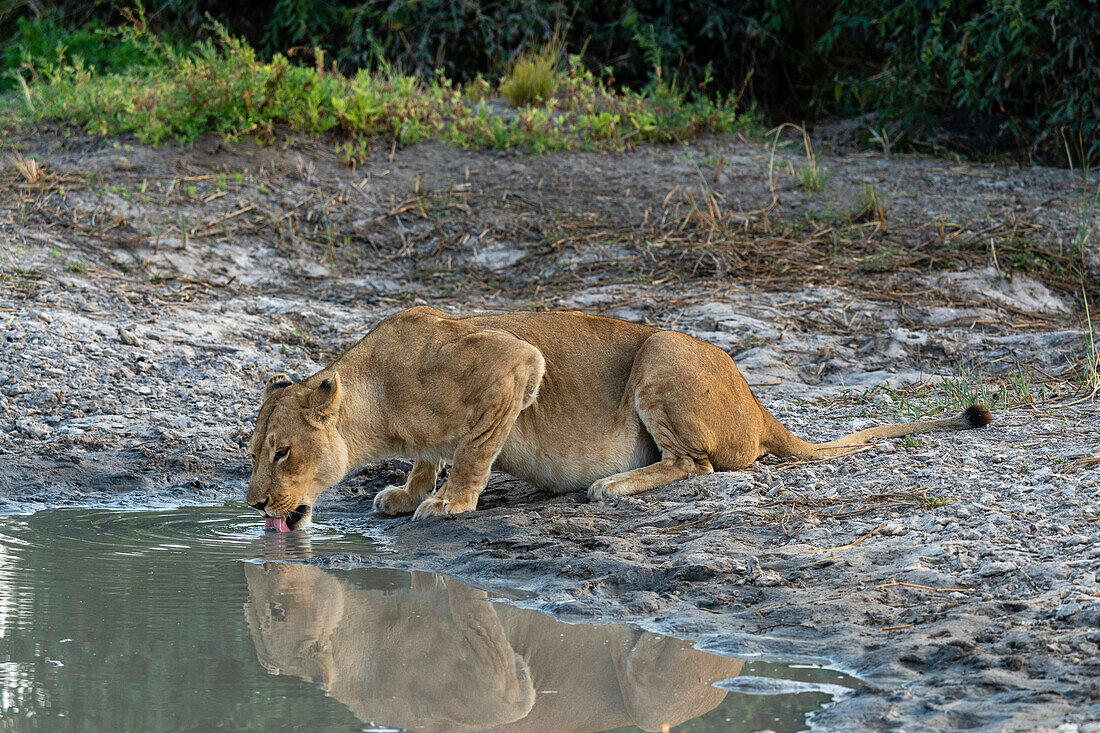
pixel 978 416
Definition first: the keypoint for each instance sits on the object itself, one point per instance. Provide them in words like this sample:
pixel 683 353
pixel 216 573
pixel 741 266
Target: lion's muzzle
pixel 289 521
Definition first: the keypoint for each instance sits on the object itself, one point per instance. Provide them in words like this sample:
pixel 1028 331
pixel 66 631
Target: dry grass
pixel 812 177
pixel 870 207
pixel 699 234
pixel 790 508
pixel 28 168
pixel 705 213
pixel 1088 374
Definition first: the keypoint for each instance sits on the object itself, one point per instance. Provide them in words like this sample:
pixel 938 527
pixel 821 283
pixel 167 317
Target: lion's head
pixel 296 450
pixel 293 612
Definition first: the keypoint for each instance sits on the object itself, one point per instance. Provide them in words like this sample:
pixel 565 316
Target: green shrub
pixel 224 86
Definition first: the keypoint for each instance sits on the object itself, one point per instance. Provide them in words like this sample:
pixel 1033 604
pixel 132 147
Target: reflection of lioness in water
pixel 561 400
pixel 439 656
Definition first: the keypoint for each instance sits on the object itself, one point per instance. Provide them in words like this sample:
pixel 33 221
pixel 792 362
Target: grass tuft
pixel 533 78
pixel 959 390
pixel 811 177
pixel 870 207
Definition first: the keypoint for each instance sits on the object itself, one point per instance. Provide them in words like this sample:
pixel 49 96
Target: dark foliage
pixel 1010 74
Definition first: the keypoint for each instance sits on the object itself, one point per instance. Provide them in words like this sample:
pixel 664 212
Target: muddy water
pixel 172 620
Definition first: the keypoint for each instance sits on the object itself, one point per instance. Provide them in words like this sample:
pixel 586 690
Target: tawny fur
pixel 561 400
pixel 438 656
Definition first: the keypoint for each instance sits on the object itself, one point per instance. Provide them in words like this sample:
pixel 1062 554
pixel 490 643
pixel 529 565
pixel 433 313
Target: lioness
pixel 561 400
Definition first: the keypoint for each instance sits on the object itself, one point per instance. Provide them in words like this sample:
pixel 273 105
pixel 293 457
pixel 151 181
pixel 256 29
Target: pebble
pixel 996 568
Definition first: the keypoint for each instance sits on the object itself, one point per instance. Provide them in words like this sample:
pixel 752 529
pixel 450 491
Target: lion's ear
pixel 275 383
pixel 324 403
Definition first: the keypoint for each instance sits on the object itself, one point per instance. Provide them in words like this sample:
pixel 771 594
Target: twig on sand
pixel 924 587
pixel 850 544
pixel 1085 462
pixel 211 224
pixel 820 560
pixel 895 628
pixel 798 507
pixel 678 527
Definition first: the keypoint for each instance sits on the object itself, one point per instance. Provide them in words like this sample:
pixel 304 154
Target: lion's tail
pixel 781 442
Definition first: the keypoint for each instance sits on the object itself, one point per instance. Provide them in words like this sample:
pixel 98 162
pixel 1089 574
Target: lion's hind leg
pixel 688 395
pixel 403 499
pixel 649 477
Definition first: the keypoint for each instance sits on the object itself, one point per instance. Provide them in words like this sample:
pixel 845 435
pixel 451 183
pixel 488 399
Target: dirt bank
pixel 148 292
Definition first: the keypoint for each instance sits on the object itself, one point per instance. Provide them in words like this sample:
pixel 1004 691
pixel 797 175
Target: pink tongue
pixel 277 524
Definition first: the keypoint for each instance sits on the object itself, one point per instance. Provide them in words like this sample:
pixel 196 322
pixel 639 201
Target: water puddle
pixel 151 621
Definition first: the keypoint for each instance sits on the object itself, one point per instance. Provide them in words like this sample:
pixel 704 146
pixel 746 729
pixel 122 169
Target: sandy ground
pixel 148 292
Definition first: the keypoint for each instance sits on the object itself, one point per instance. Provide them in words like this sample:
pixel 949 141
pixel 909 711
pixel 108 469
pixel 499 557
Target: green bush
pixel 224 86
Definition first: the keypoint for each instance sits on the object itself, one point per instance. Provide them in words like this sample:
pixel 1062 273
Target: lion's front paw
pixel 435 506
pixel 609 488
pixel 393 500
pixel 431 507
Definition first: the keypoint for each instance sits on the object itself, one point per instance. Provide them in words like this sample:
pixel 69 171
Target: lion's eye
pixel 281 454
